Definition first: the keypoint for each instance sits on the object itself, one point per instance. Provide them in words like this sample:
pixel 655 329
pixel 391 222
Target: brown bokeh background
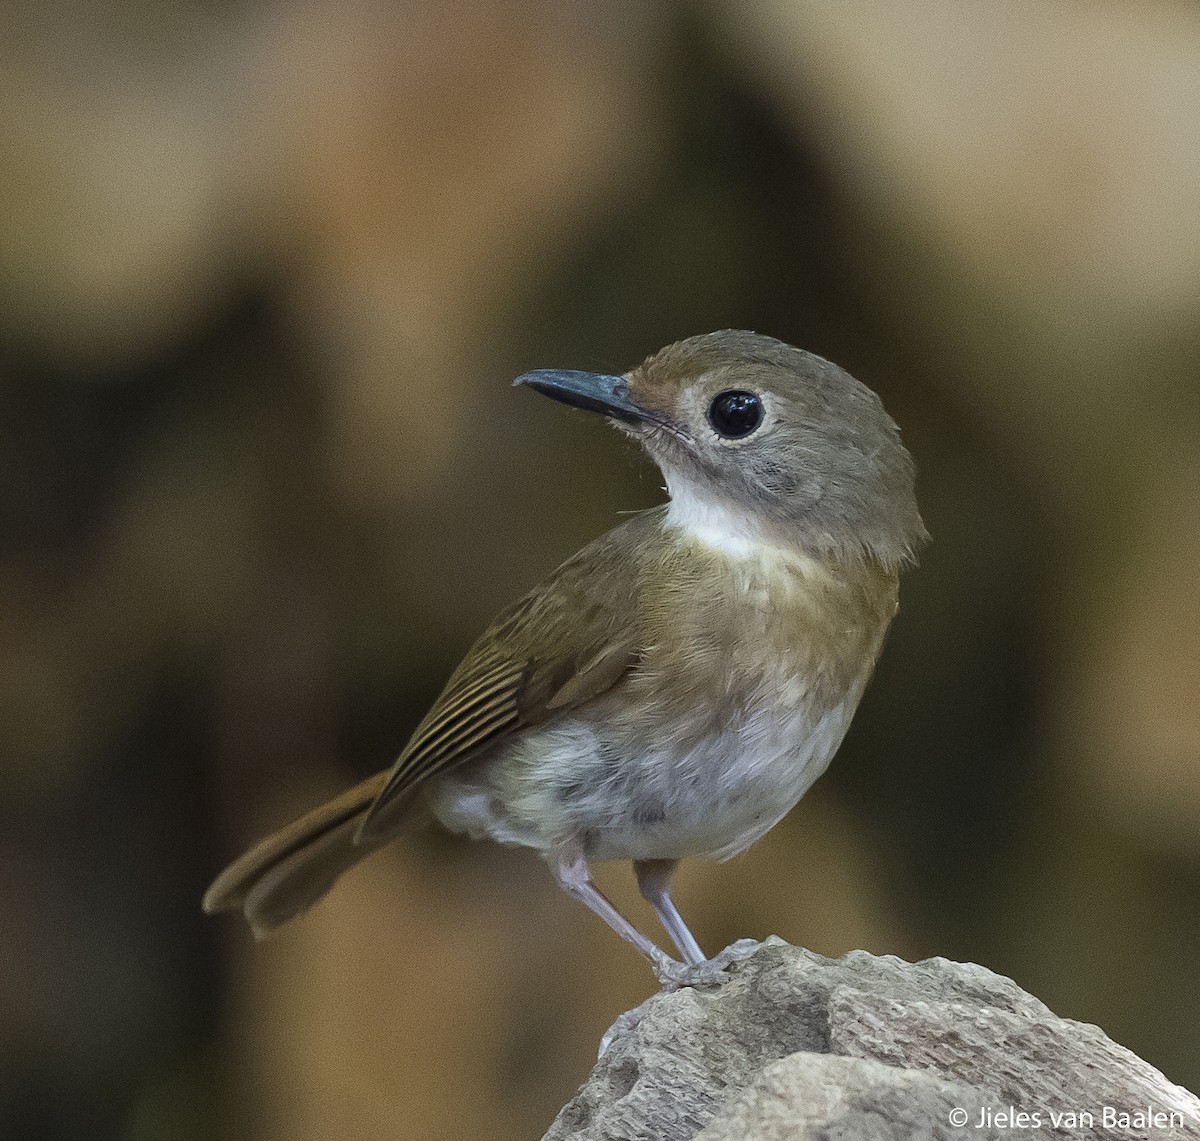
pixel 266 270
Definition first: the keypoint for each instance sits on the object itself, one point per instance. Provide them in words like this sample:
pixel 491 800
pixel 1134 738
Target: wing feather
pixel 463 711
pixel 564 643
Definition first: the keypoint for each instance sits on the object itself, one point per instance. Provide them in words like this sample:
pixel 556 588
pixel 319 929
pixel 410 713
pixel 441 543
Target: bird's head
pixel 757 437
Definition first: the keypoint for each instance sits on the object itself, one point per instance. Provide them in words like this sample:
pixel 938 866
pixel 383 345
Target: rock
pixel 792 1045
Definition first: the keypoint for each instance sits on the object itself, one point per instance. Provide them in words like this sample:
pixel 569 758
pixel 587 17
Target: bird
pixel 674 688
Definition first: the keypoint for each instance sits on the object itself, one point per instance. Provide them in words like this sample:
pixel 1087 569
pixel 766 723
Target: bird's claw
pixel 666 969
pixel 674 975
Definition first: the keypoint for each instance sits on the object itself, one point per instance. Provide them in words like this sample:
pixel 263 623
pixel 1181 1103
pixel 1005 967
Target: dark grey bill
pixel 591 390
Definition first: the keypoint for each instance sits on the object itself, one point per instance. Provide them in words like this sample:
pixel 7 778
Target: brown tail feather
pixel 290 870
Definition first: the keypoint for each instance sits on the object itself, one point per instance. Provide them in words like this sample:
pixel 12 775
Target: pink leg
pixel 574 876
pixel 654 882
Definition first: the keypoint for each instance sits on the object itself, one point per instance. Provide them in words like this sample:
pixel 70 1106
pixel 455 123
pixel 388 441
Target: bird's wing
pixel 564 643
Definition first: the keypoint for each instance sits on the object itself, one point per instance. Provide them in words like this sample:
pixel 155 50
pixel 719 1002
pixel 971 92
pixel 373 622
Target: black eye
pixel 735 414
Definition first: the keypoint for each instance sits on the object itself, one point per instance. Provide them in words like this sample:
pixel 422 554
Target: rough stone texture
pixel 796 1046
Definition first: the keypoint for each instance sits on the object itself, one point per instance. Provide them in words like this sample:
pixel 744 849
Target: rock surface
pixel 793 1045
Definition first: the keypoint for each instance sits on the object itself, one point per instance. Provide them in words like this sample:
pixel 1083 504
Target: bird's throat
pixel 726 530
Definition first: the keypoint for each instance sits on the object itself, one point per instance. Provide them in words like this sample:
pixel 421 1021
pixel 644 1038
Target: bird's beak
pixel 593 391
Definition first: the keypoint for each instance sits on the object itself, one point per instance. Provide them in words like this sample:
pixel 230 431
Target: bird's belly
pixel 621 796
pixel 724 792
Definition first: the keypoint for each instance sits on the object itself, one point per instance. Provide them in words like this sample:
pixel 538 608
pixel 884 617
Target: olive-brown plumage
pixel 676 686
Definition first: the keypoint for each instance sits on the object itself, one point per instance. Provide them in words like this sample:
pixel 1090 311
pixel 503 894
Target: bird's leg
pixel 654 882
pixel 574 876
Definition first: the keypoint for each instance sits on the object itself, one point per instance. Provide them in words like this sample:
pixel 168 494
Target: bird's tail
pixel 290 870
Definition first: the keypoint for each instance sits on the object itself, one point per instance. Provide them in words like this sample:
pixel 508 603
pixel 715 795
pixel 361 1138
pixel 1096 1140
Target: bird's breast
pixel 757 638
pixel 752 677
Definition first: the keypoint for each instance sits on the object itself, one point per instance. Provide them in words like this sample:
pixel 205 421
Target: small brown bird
pixel 674 688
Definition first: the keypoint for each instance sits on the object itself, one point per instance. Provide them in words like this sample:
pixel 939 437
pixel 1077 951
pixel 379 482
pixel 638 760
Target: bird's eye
pixel 735 413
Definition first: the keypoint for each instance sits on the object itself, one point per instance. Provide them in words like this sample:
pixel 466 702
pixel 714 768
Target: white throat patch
pixel 713 524
pixel 734 534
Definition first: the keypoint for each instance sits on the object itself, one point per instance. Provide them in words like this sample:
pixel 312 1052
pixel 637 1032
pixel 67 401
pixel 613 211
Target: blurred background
pixel 266 271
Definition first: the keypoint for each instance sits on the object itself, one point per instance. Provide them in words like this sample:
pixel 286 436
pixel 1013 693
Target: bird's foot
pixel 673 975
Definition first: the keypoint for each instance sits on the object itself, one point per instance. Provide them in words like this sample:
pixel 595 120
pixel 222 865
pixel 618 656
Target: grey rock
pixel 791 1045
